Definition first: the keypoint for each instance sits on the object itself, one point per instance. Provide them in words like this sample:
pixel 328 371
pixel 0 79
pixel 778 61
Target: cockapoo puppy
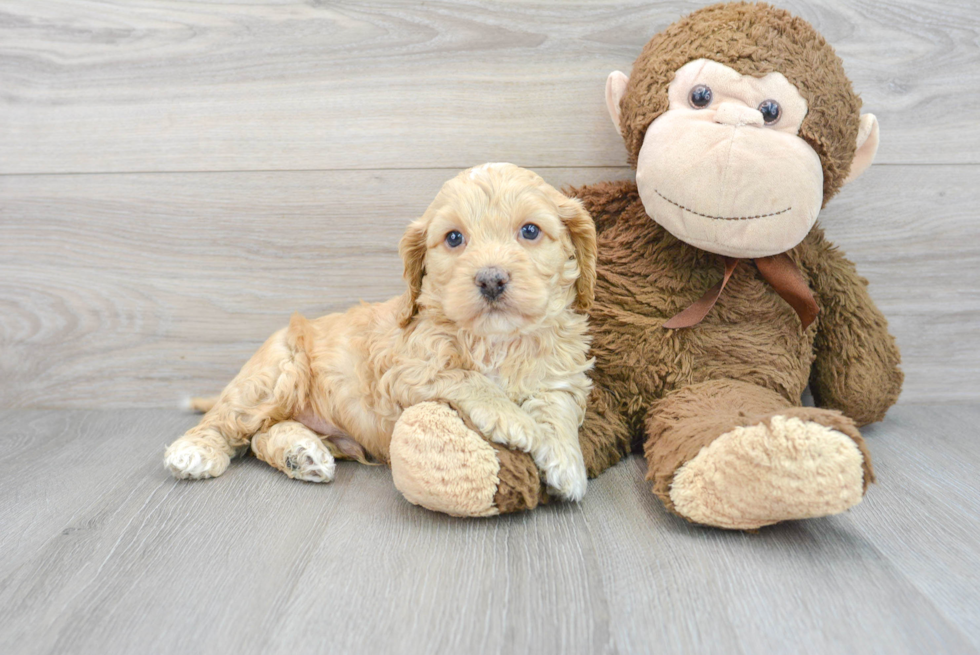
pixel 500 269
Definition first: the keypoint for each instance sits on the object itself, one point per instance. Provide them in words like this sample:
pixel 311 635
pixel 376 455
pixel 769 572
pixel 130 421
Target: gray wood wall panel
pixel 137 290
pixel 160 85
pixel 119 288
pixel 110 555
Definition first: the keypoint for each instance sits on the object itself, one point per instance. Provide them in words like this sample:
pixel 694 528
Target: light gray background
pixel 177 177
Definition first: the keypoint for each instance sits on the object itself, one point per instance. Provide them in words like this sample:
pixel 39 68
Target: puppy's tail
pixel 200 404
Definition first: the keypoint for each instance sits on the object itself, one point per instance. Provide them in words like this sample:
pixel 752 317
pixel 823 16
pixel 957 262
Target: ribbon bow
pixel 779 271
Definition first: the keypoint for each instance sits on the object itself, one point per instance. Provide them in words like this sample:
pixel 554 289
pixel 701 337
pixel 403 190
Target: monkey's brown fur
pixel 675 391
pixel 645 276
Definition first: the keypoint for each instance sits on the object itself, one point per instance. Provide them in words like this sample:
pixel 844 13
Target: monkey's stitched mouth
pixel 721 218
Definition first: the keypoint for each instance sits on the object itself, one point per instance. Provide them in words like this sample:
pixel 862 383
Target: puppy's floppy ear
pixel 412 248
pixel 582 230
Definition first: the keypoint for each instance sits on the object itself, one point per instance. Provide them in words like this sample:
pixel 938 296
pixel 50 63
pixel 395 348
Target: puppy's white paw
pixel 309 460
pixel 516 431
pixel 188 460
pixel 565 474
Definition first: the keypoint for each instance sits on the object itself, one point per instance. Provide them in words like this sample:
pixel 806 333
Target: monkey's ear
pixel 867 146
pixel 581 227
pixel 412 248
pixel 615 90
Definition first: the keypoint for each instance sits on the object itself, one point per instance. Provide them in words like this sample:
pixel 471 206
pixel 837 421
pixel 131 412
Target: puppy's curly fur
pixel 490 325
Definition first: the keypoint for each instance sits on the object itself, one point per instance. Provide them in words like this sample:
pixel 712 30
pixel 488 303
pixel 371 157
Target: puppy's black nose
pixel 492 282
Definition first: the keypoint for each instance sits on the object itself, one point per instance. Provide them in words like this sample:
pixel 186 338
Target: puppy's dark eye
pixel 454 239
pixel 530 231
pixel 770 111
pixel 700 96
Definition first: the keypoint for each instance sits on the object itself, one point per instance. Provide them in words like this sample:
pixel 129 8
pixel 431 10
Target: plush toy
pixel 717 298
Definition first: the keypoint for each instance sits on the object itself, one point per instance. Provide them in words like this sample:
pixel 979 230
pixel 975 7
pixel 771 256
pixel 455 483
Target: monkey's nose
pixel 492 282
pixel 737 115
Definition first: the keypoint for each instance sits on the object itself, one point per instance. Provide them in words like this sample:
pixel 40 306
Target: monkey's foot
pixel 441 464
pixel 780 469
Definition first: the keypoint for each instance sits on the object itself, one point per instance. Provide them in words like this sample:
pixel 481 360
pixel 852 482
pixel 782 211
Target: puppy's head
pixel 499 250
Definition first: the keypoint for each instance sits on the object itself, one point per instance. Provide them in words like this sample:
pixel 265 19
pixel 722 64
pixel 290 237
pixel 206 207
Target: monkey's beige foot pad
pixel 441 464
pixel 781 469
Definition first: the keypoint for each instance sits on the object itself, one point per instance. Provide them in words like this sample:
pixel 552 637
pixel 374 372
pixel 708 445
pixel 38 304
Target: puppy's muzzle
pixel 492 282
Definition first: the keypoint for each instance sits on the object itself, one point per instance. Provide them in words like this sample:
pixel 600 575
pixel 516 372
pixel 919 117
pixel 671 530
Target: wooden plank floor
pixel 104 553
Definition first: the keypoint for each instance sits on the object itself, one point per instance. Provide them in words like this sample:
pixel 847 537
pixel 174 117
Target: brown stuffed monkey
pixel 717 298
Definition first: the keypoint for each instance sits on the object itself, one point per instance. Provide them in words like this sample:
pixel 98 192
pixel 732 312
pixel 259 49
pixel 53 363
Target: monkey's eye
pixel 700 96
pixel 454 239
pixel 770 111
pixel 530 231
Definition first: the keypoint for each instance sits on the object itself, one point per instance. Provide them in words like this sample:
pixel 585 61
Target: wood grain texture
pixel 161 85
pixel 138 290
pixel 815 586
pixel 926 520
pixel 110 555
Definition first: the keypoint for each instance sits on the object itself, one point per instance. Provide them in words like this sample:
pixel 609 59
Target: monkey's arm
pixel 605 201
pixel 856 366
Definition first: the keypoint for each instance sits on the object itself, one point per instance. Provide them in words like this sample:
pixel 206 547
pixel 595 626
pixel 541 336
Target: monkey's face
pixel 723 168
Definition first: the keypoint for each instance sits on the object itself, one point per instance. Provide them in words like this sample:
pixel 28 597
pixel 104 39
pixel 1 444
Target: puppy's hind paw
pixel 187 460
pixel 309 460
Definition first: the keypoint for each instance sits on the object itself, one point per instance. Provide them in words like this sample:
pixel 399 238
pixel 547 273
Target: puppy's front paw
pixel 188 460
pixel 517 431
pixel 309 460
pixel 514 429
pixel 565 475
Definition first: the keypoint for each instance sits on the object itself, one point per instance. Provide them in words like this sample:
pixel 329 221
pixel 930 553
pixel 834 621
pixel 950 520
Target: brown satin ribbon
pixel 779 271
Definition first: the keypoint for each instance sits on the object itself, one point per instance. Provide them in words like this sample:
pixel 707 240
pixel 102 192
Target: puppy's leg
pixel 488 408
pixel 269 388
pixel 295 450
pixel 556 450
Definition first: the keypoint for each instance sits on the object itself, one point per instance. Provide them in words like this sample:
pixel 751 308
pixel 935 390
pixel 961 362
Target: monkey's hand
pixel 856 369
